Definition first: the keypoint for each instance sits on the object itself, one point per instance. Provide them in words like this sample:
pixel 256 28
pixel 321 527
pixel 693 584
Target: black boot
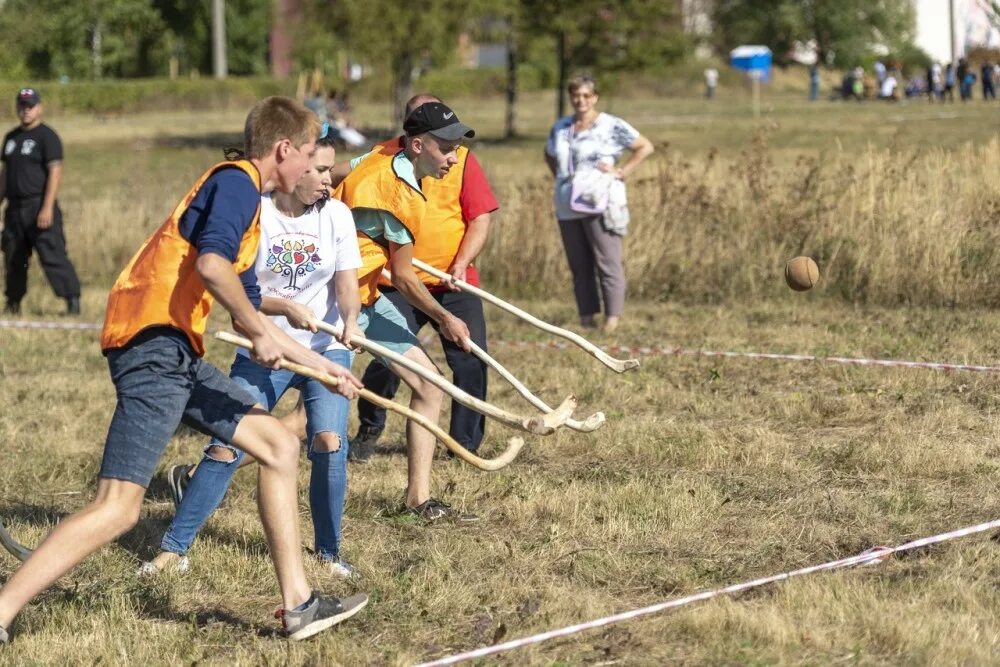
pixel 13 308
pixel 73 305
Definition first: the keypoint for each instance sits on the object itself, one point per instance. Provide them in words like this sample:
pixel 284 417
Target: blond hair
pixel 276 118
pixel 578 82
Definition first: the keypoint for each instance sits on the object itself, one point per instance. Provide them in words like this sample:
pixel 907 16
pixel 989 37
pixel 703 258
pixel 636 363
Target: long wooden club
pixel 545 424
pixel 618 365
pixel 514 444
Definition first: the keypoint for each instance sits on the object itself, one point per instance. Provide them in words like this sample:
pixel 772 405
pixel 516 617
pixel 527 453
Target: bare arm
pixel 298 315
pixel 476 233
pixel 345 284
pixel 222 283
pixel 405 279
pixel 52 183
pixel 641 149
pixel 299 354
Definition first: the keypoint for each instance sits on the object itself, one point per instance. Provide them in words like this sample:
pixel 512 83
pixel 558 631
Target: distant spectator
pixel 814 82
pixel 858 83
pixel 888 88
pixel 962 79
pixel 949 83
pixel 711 81
pixel 582 152
pixel 880 72
pixel 989 90
pixel 916 86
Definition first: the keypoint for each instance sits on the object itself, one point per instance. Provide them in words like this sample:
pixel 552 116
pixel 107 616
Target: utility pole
pixel 951 27
pixel 219 65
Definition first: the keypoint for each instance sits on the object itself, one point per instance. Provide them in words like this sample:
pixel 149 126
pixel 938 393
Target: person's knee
pixel 117 516
pixel 222 453
pixel 427 393
pixel 283 450
pixel 326 442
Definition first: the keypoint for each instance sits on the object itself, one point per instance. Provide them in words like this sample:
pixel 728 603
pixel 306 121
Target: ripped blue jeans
pixel 325 412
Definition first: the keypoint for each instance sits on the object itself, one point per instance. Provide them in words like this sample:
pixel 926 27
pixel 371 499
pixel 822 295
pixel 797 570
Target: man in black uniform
pixel 29 179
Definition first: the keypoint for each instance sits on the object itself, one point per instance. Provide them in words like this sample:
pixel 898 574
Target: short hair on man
pixel 418 100
pixel 276 118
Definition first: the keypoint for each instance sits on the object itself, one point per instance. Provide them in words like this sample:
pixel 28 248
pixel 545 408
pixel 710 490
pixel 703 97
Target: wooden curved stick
pixel 591 423
pixel 15 548
pixel 514 445
pixel 619 365
pixel 541 425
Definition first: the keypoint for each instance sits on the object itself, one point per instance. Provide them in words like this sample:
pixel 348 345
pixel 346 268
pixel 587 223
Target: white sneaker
pixel 149 568
pixel 340 569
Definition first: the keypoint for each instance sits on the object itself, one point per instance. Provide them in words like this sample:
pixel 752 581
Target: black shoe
pixel 73 305
pixel 13 308
pixel 433 509
pixel 361 448
pixel 178 477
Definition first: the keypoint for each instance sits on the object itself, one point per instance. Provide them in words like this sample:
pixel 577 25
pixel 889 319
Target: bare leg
pixel 295 421
pixel 426 399
pixel 277 450
pixel 114 510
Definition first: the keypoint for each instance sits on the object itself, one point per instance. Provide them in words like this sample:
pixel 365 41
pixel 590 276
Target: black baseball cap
pixel 28 97
pixel 437 119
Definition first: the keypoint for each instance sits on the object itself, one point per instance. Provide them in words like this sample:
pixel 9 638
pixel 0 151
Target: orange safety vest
pixel 160 285
pixel 443 228
pixel 373 184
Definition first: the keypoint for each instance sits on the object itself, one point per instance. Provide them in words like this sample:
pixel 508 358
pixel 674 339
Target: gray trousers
pixel 595 257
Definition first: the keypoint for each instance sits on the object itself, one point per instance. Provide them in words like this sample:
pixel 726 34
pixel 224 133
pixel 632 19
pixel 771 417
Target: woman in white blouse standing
pixel 582 153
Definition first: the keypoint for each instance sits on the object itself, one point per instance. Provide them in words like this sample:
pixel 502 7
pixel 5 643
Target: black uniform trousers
pixel 21 236
pixel 469 373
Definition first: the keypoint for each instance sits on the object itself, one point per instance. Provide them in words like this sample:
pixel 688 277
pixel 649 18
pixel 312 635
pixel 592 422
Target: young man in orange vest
pixel 385 191
pixel 453 233
pixel 153 338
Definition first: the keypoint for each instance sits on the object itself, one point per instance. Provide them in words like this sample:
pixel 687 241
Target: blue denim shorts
pixel 160 382
pixel 384 324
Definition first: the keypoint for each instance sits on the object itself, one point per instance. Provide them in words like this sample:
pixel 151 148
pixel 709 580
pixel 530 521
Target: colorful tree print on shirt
pixel 293 259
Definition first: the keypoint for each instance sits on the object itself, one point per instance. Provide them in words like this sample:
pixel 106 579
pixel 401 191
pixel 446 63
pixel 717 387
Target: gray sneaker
pixel 4 637
pixel 178 477
pixel 323 612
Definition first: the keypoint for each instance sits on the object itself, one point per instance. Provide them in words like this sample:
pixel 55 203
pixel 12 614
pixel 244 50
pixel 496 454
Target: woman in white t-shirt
pixel 306 270
pixel 590 198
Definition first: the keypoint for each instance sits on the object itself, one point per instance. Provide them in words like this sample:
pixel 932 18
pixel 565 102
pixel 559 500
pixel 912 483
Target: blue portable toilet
pixel 755 60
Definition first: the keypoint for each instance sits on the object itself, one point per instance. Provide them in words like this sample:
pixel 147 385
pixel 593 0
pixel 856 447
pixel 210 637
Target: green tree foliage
pixel 845 31
pixel 126 38
pixel 604 35
pixel 402 37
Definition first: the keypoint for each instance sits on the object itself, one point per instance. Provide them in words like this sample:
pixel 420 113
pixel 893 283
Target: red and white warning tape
pixel 657 350
pixel 869 557
pixel 28 324
pixel 644 350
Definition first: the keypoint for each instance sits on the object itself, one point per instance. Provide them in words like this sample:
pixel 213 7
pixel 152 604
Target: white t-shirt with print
pixel 297 259
pixel 574 153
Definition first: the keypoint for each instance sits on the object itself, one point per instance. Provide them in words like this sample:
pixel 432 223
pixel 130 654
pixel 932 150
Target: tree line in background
pixel 54 39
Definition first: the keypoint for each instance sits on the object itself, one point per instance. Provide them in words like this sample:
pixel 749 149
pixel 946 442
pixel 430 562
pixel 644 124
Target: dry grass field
pixel 709 471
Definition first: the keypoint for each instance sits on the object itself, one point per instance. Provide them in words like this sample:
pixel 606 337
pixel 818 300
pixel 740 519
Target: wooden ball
pixel 801 273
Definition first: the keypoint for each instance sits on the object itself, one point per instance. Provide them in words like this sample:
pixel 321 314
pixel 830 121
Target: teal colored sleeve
pixel 378 223
pixel 396 231
pixel 357 160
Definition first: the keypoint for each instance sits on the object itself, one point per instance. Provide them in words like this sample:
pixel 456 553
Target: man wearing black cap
pixel 29 179
pixel 452 235
pixel 385 195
